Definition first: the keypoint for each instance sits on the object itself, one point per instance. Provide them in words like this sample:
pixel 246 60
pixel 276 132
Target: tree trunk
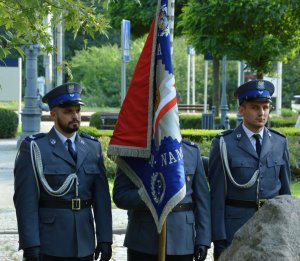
pixel 216 85
pixel 259 75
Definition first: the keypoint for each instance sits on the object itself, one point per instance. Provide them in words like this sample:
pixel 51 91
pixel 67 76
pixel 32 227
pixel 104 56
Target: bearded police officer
pixel 59 179
pixel 188 225
pixel 247 165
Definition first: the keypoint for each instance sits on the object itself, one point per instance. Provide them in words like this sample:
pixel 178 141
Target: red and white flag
pixel 147 138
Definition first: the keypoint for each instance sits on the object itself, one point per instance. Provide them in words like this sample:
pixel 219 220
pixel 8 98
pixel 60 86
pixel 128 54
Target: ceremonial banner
pixel 147 138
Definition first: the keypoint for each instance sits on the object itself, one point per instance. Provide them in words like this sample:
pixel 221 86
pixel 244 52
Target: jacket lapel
pixel 243 141
pixel 82 150
pixel 266 144
pixel 58 148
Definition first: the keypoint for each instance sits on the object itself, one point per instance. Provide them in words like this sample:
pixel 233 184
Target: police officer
pixel 188 225
pixel 59 178
pixel 247 165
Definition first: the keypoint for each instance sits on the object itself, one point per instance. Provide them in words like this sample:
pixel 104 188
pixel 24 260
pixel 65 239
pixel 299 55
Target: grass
pixel 295 187
pixel 10 105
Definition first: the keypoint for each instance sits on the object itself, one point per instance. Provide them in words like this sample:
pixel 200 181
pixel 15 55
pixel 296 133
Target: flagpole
pixel 162 236
pixel 162 242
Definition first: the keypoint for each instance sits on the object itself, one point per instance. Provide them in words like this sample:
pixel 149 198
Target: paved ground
pixel 8 227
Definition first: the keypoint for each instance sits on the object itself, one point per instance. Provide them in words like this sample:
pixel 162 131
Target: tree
pixel 22 21
pixel 140 14
pixel 260 32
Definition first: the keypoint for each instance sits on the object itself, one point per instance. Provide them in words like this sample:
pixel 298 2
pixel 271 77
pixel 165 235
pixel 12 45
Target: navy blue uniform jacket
pixel 274 177
pixel 62 232
pixel 185 228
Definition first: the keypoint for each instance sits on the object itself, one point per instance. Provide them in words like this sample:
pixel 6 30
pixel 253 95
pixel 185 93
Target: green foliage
pixel 294 149
pixel 258 31
pixel 288 113
pixel 98 70
pixel 8 123
pixel 104 138
pixel 110 165
pixel 287 121
pixel 95 120
pixel 190 121
pixel 290 80
pixel 295 188
pixel 140 14
pixel 22 21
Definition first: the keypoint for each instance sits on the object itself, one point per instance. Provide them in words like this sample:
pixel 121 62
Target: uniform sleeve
pixel 125 193
pixel 285 173
pixel 201 198
pixel 102 204
pixel 26 198
pixel 217 184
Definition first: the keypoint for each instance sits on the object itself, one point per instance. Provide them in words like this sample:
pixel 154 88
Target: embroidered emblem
pixel 163 23
pixel 71 88
pixel 158 187
pixel 260 85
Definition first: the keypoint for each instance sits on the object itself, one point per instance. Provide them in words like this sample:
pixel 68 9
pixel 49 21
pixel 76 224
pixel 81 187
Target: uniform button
pixel 261 189
pixel 261 177
pixel 260 165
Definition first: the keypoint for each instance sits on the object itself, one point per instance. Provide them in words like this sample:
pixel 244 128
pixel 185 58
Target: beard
pixel 69 127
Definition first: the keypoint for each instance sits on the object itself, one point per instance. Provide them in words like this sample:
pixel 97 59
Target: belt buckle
pixel 260 202
pixel 76 204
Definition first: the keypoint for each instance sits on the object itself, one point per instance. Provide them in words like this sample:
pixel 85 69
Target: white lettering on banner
pixel 170 157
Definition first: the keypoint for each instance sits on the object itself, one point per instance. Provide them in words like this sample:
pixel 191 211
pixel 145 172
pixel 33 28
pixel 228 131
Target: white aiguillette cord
pixel 36 160
pixel 223 152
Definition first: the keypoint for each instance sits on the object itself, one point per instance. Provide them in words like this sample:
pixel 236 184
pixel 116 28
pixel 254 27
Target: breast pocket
pixel 57 170
pixel 92 170
pixel 56 174
pixel 242 169
pixel 273 167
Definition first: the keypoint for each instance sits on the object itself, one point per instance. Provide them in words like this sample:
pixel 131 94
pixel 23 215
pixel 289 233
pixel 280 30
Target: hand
pixel 200 252
pixel 219 247
pixel 105 250
pixel 31 254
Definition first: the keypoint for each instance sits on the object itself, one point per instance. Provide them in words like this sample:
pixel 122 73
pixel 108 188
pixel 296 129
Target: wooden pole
pixel 162 242
pixel 163 234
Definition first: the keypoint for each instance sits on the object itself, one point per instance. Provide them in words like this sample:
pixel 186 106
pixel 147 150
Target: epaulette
pixel 224 133
pixel 35 136
pixel 277 132
pixel 84 135
pixel 190 143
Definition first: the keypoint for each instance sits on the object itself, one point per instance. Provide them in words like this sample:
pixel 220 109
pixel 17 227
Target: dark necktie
pixel 71 150
pixel 257 145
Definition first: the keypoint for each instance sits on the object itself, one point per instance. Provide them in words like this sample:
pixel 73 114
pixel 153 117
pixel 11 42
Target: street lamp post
pixel 241 80
pixel 31 113
pixel 224 106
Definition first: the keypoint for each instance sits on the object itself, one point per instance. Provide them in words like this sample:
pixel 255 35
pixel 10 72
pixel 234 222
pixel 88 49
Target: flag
pixel 147 138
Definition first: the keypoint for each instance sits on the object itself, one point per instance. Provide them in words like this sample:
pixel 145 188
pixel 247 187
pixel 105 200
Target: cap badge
pixel 261 85
pixel 71 88
pixel 71 94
